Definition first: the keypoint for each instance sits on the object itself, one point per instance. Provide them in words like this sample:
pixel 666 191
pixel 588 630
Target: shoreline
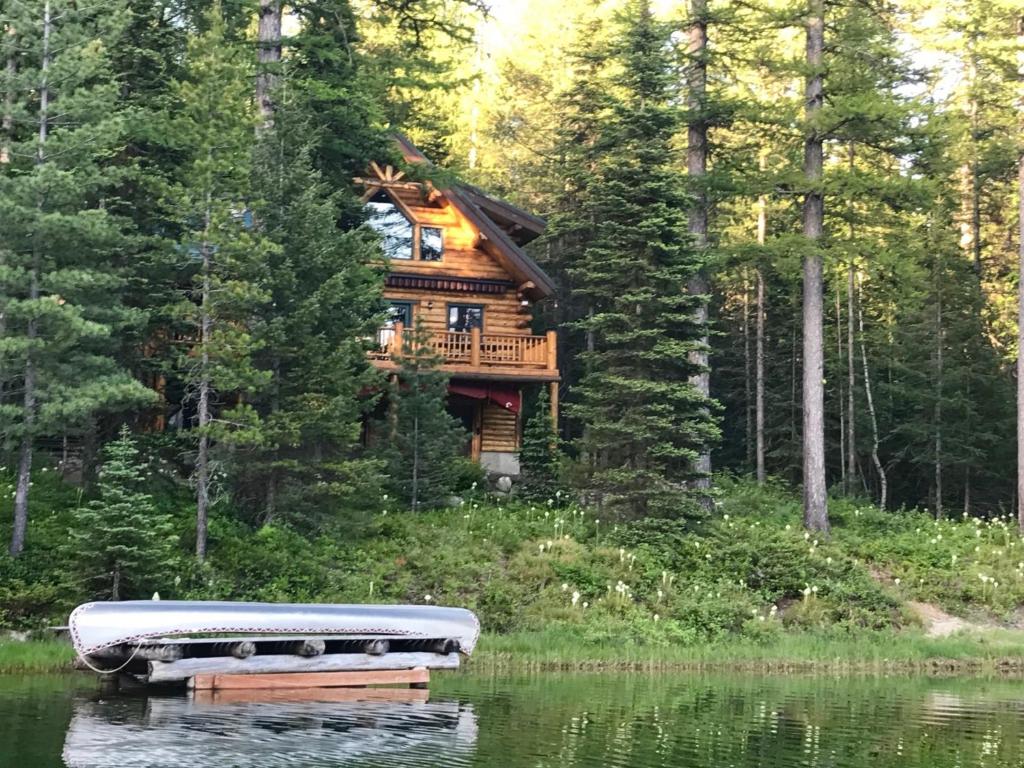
pixel 999 652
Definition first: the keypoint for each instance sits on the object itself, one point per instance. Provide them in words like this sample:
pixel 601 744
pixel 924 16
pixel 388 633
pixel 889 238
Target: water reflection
pixel 324 728
pixel 540 721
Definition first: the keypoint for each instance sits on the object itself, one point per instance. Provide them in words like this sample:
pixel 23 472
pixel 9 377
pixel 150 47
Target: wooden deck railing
pixel 477 350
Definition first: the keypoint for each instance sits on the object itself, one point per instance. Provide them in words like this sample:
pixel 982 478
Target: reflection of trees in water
pixel 180 731
pixel 551 721
pixel 675 720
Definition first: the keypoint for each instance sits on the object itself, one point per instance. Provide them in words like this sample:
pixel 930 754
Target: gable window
pixel 463 317
pixel 395 229
pixel 431 243
pixel 401 237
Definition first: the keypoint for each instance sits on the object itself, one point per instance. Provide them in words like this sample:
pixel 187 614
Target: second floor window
pixel 401 237
pixel 463 317
pixel 395 230
pixel 431 244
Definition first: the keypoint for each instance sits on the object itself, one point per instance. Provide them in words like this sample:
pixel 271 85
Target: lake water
pixel 563 721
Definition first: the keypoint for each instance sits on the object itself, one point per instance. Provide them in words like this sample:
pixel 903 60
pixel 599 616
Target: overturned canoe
pixel 96 627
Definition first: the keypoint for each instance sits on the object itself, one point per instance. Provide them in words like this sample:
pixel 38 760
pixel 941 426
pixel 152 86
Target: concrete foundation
pixel 500 463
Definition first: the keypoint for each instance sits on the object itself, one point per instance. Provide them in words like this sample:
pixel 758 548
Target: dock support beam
pixel 414 678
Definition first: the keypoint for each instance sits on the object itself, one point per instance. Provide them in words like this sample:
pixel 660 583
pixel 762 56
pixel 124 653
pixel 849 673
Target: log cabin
pixel 456 263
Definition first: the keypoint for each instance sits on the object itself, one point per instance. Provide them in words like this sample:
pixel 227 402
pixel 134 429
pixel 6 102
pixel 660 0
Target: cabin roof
pixel 504 226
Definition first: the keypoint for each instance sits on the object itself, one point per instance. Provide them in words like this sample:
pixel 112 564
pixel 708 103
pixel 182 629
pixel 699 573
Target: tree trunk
pixel 762 234
pixel 939 354
pixel 1020 285
pixel 748 379
pixel 28 407
pixel 696 168
pixel 268 57
pixel 205 387
pixel 842 405
pixel 882 478
pixel 7 122
pixel 815 491
pixel 416 463
pixel 851 384
pixel 759 380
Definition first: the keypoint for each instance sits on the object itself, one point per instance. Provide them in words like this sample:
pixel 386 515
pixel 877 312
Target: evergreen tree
pixel 538 459
pixel 646 421
pixel 120 544
pixel 210 204
pixel 62 247
pixel 425 440
pixel 324 298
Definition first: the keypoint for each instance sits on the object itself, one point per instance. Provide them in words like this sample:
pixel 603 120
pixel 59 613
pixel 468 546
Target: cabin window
pixel 463 317
pixel 395 230
pixel 431 243
pixel 399 312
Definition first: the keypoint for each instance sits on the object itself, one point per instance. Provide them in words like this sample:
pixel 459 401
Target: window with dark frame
pixel 463 317
pixel 399 312
pixel 431 243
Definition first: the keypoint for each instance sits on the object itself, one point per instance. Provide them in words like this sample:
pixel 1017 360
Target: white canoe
pixel 96 626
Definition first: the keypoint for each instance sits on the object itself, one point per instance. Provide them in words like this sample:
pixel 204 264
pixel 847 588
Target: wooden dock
pixel 419 677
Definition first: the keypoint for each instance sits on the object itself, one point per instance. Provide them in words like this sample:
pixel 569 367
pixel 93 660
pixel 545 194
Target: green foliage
pixel 323 295
pixel 425 441
pixel 645 422
pixel 119 545
pixel 539 456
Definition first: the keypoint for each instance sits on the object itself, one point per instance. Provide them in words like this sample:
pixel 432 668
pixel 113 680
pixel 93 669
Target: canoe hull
pixel 96 626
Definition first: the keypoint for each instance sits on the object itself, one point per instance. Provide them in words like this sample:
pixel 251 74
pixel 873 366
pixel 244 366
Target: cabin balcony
pixel 476 355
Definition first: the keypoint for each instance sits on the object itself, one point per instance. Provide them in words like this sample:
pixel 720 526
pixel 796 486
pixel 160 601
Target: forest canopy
pixel 785 239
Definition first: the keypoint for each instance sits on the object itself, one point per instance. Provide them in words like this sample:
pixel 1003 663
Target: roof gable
pixel 492 218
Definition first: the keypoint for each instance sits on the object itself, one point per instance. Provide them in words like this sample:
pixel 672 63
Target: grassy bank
pixel 992 652
pixel 558 586
pixel 995 652
pixel 35 656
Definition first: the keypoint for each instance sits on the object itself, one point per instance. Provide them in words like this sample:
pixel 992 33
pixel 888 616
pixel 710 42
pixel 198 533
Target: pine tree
pixel 539 457
pixel 647 423
pixel 61 278
pixel 323 301
pixel 120 544
pixel 425 440
pixel 209 202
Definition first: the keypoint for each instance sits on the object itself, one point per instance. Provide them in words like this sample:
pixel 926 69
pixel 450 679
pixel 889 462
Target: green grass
pixel 35 656
pixel 990 652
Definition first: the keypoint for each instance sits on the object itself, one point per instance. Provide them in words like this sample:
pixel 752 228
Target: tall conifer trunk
pixel 842 406
pixel 21 493
pixel 205 386
pixel 883 479
pixel 759 381
pixel 851 384
pixel 762 234
pixel 815 492
pixel 939 364
pixel 268 56
pixel 748 375
pixel 696 168
pixel 1020 281
pixel 7 121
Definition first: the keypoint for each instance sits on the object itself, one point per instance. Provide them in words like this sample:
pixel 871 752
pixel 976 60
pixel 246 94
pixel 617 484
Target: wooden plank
pixel 331 695
pixel 417 676
pixel 167 672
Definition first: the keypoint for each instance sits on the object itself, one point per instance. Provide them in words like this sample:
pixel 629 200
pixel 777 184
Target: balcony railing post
pixel 474 346
pixel 552 350
pixel 396 340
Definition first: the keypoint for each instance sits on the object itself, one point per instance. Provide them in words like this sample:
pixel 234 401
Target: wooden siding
pixel 499 429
